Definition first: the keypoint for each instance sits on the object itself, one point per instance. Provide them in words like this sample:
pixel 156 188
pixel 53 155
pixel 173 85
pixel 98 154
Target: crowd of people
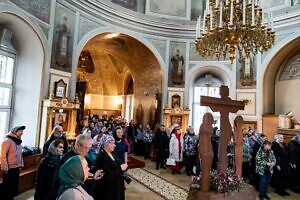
pixel 95 167
pixel 271 163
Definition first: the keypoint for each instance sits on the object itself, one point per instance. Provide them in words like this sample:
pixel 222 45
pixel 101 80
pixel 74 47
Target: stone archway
pixel 116 57
pixel 273 69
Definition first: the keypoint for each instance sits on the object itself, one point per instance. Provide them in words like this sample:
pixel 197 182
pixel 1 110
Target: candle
pixel 231 13
pixel 199 29
pixel 207 5
pixel 211 18
pixel 204 16
pixel 244 12
pixel 197 25
pixel 221 13
pixel 262 17
pixel 253 20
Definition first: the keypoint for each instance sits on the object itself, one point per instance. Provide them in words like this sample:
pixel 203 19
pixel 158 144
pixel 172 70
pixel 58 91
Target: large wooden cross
pixel 224 105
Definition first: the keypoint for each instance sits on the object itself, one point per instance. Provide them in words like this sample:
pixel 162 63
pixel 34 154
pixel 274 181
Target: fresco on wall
pixel 38 8
pixel 177 64
pixel 169 7
pixel 197 8
pixel 63 37
pixel 246 73
pixel 160 45
pixel 86 25
pixel 291 70
pixel 130 4
pixel 194 55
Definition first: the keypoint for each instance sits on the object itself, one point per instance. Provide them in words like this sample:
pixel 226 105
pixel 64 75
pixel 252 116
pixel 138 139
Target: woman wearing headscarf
pixel 176 149
pixel 11 161
pixel 281 167
pixel 111 186
pixel 294 162
pixel 46 171
pixel 72 175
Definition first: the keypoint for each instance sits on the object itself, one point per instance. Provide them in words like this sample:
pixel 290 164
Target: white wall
pixel 28 76
pixel 287 97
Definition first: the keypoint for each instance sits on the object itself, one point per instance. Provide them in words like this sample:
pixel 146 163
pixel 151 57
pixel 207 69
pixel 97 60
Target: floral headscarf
pixel 278 138
pixel 105 139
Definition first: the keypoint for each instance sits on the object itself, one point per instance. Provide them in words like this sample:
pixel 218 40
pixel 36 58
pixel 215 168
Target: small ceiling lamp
pixel 234 25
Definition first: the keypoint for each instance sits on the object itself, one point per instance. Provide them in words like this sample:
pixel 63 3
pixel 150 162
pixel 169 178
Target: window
pixel 7 61
pixel 199 111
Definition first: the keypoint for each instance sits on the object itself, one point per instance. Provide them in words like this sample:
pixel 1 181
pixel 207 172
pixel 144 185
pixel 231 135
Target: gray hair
pixel 82 138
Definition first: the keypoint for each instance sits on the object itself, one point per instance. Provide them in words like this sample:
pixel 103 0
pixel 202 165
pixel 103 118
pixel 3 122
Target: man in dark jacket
pixel 161 143
pixel 294 161
pixel 131 133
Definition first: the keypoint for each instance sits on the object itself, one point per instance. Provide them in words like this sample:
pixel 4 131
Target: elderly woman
pixel 111 186
pixel 72 174
pixel 46 171
pixel 281 167
pixel 176 149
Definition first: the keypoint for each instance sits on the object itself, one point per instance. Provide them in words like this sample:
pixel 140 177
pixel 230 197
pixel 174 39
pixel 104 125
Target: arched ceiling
pixel 113 56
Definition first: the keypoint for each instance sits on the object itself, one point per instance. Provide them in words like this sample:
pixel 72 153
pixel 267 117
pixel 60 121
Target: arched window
pixel 206 85
pixel 7 63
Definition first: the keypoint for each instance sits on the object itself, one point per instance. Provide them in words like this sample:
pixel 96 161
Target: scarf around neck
pixel 15 139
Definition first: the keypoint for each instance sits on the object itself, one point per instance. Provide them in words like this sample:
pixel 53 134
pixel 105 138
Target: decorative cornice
pixel 127 19
pixel 108 12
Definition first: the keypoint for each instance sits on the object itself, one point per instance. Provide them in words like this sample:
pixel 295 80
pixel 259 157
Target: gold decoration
pixel 233 25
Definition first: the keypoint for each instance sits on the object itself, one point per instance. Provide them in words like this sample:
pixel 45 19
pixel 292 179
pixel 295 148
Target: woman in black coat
pixel 46 171
pixel 281 168
pixel 111 186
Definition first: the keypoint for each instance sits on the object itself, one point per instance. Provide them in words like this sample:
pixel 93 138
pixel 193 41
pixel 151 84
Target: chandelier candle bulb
pixel 244 12
pixel 207 6
pixel 233 27
pixel 221 14
pixel 231 13
pixel 204 22
pixel 253 20
pixel 211 18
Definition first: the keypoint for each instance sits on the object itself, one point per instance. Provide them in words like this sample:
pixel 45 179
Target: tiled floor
pixel 136 191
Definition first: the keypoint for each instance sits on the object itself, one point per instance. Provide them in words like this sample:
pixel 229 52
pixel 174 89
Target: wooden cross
pixel 224 105
pixel 238 150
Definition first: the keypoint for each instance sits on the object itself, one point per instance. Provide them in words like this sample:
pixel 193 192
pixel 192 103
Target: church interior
pixel 63 62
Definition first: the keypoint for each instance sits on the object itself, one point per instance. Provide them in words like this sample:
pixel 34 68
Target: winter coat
pixel 161 141
pixel 280 155
pixel 246 151
pixel 174 148
pixel 190 144
pixel 77 193
pixel 11 153
pixel 262 159
pixel 294 153
pixel 111 185
pixel 45 177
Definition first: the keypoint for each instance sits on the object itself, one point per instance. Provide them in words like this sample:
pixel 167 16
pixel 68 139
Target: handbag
pixel 171 161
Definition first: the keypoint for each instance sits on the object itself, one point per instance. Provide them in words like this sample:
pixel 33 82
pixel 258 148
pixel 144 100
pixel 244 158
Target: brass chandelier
pixel 234 25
